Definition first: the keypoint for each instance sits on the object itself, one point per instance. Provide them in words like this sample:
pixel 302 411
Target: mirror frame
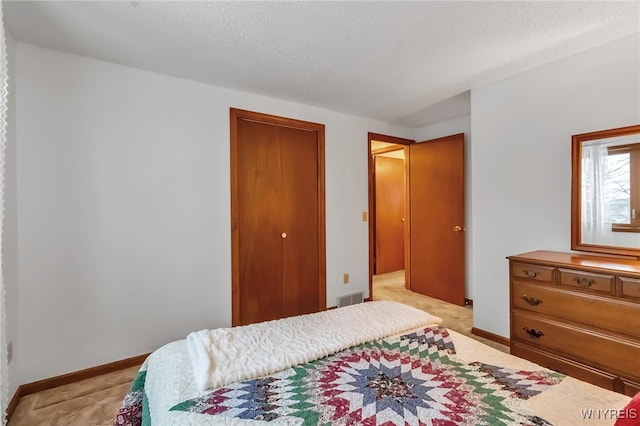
pixel 576 191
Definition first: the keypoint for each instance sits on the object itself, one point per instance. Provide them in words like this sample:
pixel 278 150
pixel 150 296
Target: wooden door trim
pixel 372 216
pixel 239 114
pixel 407 220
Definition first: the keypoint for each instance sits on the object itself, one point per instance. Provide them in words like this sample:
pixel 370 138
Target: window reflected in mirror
pixel 606 176
pixel 609 194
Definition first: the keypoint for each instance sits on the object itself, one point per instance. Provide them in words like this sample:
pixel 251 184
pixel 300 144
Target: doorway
pixel 390 202
pixel 380 148
pixel 433 219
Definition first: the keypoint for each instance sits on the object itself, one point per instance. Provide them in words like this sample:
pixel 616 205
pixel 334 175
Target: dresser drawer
pixel 565 366
pixel 533 272
pixel 581 344
pixel 599 312
pixel 630 288
pixel 631 388
pixel 587 281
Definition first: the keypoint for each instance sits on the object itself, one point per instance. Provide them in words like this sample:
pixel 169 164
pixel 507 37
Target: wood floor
pixel 94 402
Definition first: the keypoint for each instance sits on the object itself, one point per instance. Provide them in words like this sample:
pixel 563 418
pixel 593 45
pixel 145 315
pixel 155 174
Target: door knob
pixel 457 228
pixel 283 235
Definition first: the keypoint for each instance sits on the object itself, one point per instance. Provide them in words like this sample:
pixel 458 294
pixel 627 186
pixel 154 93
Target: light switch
pixel 345 278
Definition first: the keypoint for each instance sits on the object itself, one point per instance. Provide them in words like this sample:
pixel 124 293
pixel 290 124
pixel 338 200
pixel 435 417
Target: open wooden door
pixel 436 219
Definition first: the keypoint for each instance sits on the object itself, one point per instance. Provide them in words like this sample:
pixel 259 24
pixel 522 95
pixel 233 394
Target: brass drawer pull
pixel 530 274
pixel 584 282
pixel 533 301
pixel 536 334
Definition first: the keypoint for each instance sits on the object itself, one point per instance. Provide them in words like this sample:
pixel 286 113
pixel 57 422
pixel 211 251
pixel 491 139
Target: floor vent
pixel 350 299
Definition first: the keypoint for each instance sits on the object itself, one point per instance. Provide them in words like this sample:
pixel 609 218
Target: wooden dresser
pixel 578 314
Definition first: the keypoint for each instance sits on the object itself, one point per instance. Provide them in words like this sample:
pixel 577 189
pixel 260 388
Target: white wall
pixel 10 225
pixel 521 159
pixel 440 129
pixel 124 225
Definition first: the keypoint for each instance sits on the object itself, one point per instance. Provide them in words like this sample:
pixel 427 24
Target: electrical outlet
pixel 345 278
pixel 365 216
pixel 9 352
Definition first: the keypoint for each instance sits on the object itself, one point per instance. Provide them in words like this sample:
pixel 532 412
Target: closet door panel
pixel 300 220
pixel 259 221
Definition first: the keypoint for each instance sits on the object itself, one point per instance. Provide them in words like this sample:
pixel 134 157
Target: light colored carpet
pixel 90 402
pixel 390 286
pixel 94 402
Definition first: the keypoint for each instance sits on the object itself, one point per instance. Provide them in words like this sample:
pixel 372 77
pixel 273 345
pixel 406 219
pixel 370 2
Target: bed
pixel 376 363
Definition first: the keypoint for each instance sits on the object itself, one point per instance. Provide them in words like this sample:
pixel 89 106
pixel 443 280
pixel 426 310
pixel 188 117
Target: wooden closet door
pixel 278 222
pixel 300 220
pixel 259 222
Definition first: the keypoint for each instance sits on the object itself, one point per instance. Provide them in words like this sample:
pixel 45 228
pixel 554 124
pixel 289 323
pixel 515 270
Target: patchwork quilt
pixel 410 379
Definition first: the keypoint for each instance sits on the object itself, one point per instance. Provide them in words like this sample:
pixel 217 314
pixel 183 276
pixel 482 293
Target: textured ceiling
pixel 392 61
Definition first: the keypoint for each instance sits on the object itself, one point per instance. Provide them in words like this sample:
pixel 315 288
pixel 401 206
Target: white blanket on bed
pixel 227 355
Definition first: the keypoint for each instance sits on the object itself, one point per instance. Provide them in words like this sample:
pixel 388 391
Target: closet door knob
pixel 283 235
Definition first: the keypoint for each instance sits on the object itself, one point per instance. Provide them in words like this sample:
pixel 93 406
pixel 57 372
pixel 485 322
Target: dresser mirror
pixel 605 191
